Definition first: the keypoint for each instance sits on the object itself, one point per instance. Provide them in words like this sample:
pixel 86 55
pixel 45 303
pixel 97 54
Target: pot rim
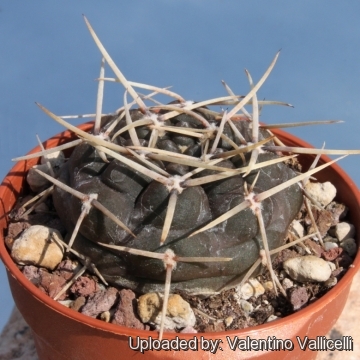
pixel 122 330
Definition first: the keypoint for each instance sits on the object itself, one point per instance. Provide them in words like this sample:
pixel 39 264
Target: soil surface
pixel 228 310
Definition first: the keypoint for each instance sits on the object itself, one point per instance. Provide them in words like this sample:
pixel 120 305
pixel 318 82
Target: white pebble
pixel 246 291
pixel 105 316
pixel 307 268
pixel 287 283
pixel 251 288
pixel 35 247
pixel 268 286
pixel 298 228
pixel 228 321
pixel 246 306
pixel 324 193
pixel 344 231
pixel 350 246
pixel 328 245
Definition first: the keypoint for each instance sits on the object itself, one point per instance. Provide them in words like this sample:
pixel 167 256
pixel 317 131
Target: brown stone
pixel 332 254
pixel 316 248
pixel 51 284
pixel 66 269
pixel 323 220
pixel 78 303
pixel 337 210
pixel 298 297
pixel 84 286
pixel 31 272
pixel 99 302
pixel 125 313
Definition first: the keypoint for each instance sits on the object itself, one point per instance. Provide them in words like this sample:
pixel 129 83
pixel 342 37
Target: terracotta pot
pixel 61 333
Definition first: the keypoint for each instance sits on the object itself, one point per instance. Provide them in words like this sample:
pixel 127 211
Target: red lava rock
pixel 125 313
pixel 84 286
pixel 31 272
pixel 66 269
pixel 324 220
pixel 99 302
pixel 332 254
pixel 338 211
pixel 51 284
pixel 298 297
pixel 316 248
pixel 14 230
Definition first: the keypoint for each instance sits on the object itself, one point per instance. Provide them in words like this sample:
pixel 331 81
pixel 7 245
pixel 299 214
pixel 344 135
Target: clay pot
pixel 61 333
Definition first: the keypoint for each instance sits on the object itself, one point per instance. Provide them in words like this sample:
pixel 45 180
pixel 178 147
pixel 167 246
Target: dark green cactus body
pixel 140 203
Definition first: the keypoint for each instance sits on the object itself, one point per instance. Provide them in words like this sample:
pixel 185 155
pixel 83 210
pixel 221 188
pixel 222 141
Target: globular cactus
pixel 177 196
pixel 142 203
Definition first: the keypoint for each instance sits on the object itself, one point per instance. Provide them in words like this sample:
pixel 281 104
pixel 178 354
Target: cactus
pixel 176 197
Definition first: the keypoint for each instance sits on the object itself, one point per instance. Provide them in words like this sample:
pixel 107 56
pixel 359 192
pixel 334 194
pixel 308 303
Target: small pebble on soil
pixel 307 268
pixel 38 245
pixel 324 193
